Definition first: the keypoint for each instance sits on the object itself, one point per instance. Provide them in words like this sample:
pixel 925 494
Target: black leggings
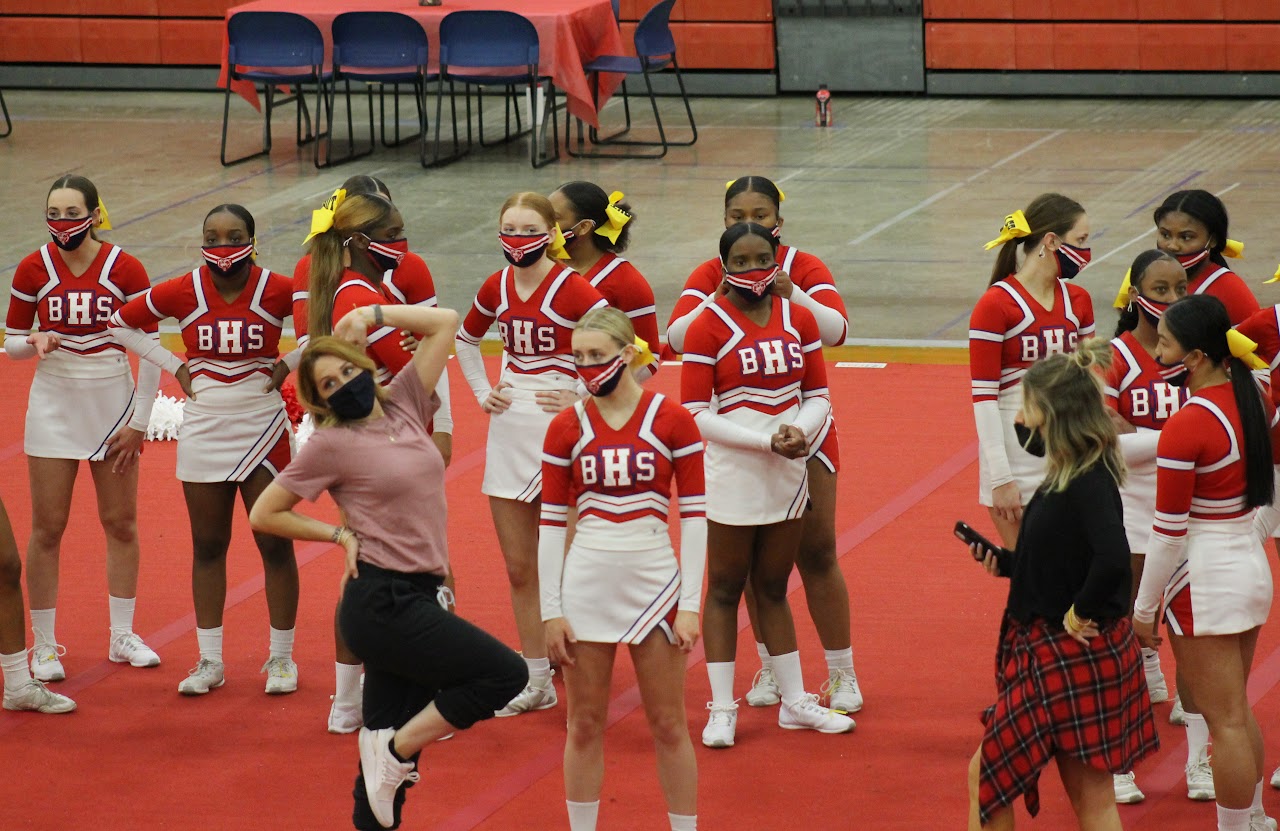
pixel 415 652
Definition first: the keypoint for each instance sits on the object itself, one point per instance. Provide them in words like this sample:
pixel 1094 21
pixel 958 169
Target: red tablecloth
pixel 571 33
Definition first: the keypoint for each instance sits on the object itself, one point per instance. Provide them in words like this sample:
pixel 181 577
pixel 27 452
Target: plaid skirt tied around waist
pixel 1055 695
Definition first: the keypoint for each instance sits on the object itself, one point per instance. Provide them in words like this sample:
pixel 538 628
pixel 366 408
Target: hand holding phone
pixel 980 546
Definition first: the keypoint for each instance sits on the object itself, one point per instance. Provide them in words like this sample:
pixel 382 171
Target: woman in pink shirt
pixel 427 672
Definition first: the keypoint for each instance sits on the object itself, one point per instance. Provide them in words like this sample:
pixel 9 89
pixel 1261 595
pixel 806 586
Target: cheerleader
pixel 359 256
pixel 1028 312
pixel 235 433
pixel 1141 400
pixel 806 281
pixel 615 458
pixel 1204 563
pixel 536 302
pixel 759 407
pixel 596 231
pixel 1191 225
pixel 82 406
pixel 21 691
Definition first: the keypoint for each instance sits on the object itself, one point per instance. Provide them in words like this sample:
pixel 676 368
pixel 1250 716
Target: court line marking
pixel 894 220
pixel 1146 234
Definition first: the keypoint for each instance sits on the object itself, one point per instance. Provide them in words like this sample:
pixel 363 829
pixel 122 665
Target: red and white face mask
pixel 69 234
pixel 523 250
pixel 224 259
pixel 602 379
pixel 1190 261
pixel 389 254
pixel 755 283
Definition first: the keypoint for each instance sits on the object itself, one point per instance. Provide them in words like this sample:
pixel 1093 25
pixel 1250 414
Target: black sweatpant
pixel 415 652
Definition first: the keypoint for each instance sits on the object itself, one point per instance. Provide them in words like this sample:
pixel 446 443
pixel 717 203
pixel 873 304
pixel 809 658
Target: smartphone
pixel 968 536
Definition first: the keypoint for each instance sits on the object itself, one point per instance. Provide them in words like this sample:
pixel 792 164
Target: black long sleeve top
pixel 1072 550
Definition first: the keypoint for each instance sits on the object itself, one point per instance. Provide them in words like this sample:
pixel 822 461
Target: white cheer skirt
pixel 1138 496
pixel 1028 471
pixel 1224 585
pixel 753 487
pixel 72 418
pixel 513 452
pixel 228 447
pixel 620 596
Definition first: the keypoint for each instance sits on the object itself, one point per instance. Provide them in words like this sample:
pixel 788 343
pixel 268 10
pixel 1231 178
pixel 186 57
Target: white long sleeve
pixel 293 358
pixel 472 363
pixel 1140 447
pixel 693 562
pixel 16 347
pixel 813 415
pixel 832 327
pixel 443 422
pixel 678 327
pixel 986 415
pixel 551 543
pixel 1164 554
pixel 717 428
pixel 144 346
pixel 1267 518
pixel 144 397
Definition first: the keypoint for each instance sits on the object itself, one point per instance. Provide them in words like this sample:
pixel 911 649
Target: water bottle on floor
pixel 822 109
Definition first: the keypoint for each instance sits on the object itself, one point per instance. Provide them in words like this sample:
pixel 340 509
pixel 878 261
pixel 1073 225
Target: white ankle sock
pixel 42 621
pixel 720 674
pixel 1233 819
pixel 786 668
pixel 348 686
pixel 210 642
pixel 539 671
pixel 766 660
pixel 282 643
pixel 121 614
pixel 1256 808
pixel 839 659
pixel 683 822
pixel 16 671
pixel 1197 736
pixel 582 815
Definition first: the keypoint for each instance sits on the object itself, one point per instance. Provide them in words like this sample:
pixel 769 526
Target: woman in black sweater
pixel 1069 679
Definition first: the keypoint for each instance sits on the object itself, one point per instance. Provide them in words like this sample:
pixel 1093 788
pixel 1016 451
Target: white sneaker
pixel 345 718
pixel 129 649
pixel 383 773
pixel 34 695
pixel 1261 822
pixel 282 676
pixel 722 725
pixel 531 698
pixel 1200 779
pixel 45 665
pixel 1275 779
pixel 205 676
pixel 842 692
pixel 1177 715
pixel 1127 792
pixel 764 689
pixel 808 714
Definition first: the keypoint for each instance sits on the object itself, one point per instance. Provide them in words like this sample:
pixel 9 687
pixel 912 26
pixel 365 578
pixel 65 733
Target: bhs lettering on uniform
pixel 1168 399
pixel 1051 340
pixel 617 467
pixel 523 335
pixel 771 357
pixel 78 308
pixel 230 336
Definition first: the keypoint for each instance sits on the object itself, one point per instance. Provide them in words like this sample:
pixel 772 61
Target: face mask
pixel 1071 260
pixel 1031 440
pixel 602 379
pixel 224 259
pixel 388 255
pixel 753 284
pixel 523 250
pixel 776 232
pixel 354 400
pixel 569 234
pixel 69 234
pixel 1174 374
pixel 1190 261
pixel 1152 310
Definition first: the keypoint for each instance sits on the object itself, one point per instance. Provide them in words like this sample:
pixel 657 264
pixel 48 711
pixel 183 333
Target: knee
pixel 768 589
pixel 277 552
pixel 586 726
pixel 11 572
pixel 521 573
pixel 725 591
pixel 817 558
pixel 669 728
pixel 212 549
pixel 46 533
pixel 120 527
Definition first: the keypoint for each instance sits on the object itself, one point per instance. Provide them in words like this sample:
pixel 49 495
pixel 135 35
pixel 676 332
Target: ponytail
pixel 326 271
pixel 1259 472
pixel 1006 262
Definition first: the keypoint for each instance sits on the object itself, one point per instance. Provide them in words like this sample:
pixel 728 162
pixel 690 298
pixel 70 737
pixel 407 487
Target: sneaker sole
pixel 717 745
pixel 828 731
pixel 293 689
pixel 846 710
pixel 504 714
pixel 1130 799
pixel 49 679
pixel 147 665
pixel 205 691
pixel 1200 795
pixel 344 732
pixel 13 709
pixel 1157 694
pixel 771 701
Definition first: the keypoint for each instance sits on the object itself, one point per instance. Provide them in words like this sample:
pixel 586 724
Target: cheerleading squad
pixel 584 467
pixel 1127 482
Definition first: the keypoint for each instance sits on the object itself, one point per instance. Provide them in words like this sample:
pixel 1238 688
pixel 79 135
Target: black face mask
pixel 354 400
pixel 1174 374
pixel 1031 440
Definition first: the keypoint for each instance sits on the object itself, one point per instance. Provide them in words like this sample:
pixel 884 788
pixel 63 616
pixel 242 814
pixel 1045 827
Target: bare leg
pixel 517 527
pixel 1092 794
pixel 660 671
pixel 771 564
pixel 729 551
pixel 210 506
pixel 280 567
pixel 52 481
pixel 825 589
pixel 118 513
pixel 12 636
pixel 587 686
pixel 1001 820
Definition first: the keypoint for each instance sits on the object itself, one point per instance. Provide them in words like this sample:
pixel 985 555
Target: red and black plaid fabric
pixel 1055 695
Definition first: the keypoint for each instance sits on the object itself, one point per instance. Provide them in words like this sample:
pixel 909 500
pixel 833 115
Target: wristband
pixel 377 315
pixel 339 532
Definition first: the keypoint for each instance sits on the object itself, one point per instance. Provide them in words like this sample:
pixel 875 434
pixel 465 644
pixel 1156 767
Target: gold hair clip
pixel 322 217
pixel 105 224
pixel 1122 299
pixel 1233 249
pixel 1015 226
pixel 646 355
pixel 556 248
pixel 782 197
pixel 1243 347
pixel 1276 277
pixel 617 218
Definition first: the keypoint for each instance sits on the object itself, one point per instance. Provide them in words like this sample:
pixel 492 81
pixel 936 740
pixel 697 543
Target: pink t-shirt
pixel 387 477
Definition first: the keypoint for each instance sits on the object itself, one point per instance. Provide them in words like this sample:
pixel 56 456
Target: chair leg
pixel 664 142
pixel 436 160
pixel 266 127
pixel 539 127
pixel 8 122
pixel 596 138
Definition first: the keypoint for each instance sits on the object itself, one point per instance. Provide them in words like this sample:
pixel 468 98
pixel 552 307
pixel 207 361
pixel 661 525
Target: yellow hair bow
pixel 1243 348
pixel 322 217
pixel 1233 249
pixel 105 224
pixel 1122 299
pixel 782 197
pixel 1015 225
pixel 646 355
pixel 1275 278
pixel 618 218
pixel 556 248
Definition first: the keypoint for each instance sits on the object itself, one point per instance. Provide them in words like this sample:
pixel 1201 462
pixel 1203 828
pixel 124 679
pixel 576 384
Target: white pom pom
pixel 166 418
pixel 304 431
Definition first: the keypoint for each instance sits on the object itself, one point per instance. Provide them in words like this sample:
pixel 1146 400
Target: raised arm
pixel 436 328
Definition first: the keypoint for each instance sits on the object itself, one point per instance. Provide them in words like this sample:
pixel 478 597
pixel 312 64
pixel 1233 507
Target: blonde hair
pixel 613 323
pixel 309 393
pixel 1066 391
pixel 359 213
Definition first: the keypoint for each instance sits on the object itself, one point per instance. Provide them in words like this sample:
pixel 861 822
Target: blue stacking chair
pixel 492 40
pixel 8 124
pixel 655 51
pixel 379 48
pixel 276 40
